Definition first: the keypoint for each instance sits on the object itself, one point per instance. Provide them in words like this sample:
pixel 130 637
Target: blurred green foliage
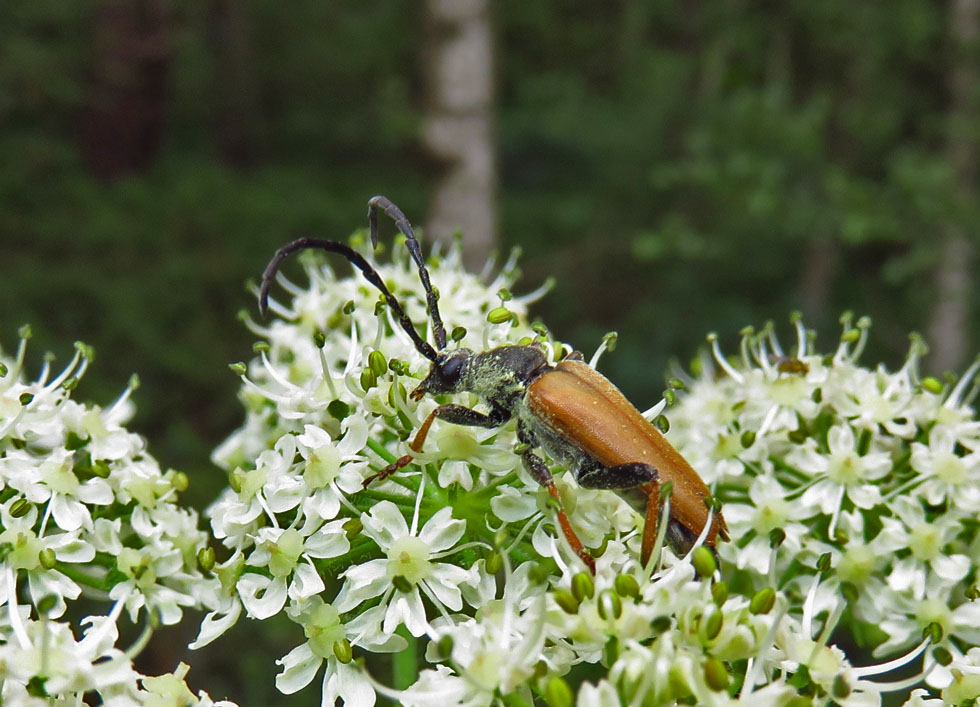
pixel 680 167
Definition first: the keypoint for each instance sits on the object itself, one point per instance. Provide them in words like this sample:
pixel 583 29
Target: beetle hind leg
pixel 539 470
pixel 593 475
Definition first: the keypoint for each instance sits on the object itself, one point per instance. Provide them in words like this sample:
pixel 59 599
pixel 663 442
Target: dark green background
pixel 679 167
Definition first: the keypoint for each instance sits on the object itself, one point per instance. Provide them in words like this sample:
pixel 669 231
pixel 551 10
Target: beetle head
pixel 446 375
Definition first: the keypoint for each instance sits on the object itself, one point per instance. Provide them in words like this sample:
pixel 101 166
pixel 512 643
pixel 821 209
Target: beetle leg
pixel 542 474
pixel 650 525
pixel 593 475
pixel 456 414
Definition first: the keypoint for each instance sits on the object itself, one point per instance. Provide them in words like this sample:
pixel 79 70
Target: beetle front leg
pixel 456 414
pixel 542 474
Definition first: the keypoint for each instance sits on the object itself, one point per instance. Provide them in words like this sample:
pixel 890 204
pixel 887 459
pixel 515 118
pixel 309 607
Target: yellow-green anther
pixel 3 369
pixel 942 656
pixel 26 398
pixel 610 339
pixel 704 561
pixel 557 693
pixel 800 701
pixel 719 592
pixel 377 362
pixel 504 294
pixel 338 409
pixel 47 558
pixel 566 601
pixel 824 562
pixel 319 339
pixel 379 307
pixel 582 586
pixel 776 537
pixel 260 347
pixel 747 439
pixel 609 605
pixel 677 384
pixel 368 379
pixel 933 632
pixel 24 332
pixel 458 333
pixel 662 424
pixel 445 646
pixel 20 508
pixel 716 674
pixel 180 481
pixel 713 624
pixel 539 328
pixel 353 528
pixel 763 601
pixel 521 448
pixel 524 341
pixel 850 336
pixel 348 307
pixel 343 651
pixel 47 603
pixel 401 584
pixel 666 489
pixel 841 688
pixel 70 383
pixel 972 592
pixel 499 315
pixel 660 624
pixel 239 368
pixel 540 670
pixel 235 480
pixel 627 586
pixel 494 562
pixel 670 396
pixel 817 396
pixel 205 559
pixel 933 385
pixel 745 331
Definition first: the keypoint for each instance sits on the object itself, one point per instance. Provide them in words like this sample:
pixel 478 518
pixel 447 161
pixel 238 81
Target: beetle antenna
pixel 358 261
pixel 386 205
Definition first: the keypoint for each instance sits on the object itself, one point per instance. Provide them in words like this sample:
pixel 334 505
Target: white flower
pixel 409 568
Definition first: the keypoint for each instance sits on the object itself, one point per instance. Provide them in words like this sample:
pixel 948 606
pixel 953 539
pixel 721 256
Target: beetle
pixel 579 418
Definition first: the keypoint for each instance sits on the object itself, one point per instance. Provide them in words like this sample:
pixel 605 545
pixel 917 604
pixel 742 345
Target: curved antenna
pixel 358 261
pixel 386 205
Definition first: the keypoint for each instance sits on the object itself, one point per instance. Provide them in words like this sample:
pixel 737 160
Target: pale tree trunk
pixel 458 124
pixel 949 330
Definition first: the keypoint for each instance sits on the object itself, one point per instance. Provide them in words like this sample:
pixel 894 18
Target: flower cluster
pixel 85 508
pixel 849 493
pixel 855 491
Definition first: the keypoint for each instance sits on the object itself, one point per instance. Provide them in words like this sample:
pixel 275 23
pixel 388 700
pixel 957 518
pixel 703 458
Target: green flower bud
pixel 763 601
pixel 582 586
pixel 566 600
pixel 557 693
pixel 704 561
pixel 627 586
pixel 716 674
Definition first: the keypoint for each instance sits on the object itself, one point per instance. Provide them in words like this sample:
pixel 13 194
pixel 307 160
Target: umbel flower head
pixel 84 508
pixel 850 488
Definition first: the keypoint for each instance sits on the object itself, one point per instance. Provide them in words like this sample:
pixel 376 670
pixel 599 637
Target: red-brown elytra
pixel 573 413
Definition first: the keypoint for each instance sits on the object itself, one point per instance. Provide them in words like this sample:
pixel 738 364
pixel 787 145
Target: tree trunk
pixel 122 122
pixel 458 124
pixel 949 324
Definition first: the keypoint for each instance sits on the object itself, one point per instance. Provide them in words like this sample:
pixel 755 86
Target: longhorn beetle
pixel 572 412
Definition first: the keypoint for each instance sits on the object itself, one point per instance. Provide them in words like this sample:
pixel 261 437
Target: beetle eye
pixel 452 368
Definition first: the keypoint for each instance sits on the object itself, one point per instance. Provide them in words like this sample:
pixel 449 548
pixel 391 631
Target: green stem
pixel 404 663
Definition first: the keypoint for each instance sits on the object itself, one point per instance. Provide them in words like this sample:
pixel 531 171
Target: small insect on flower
pixel 573 413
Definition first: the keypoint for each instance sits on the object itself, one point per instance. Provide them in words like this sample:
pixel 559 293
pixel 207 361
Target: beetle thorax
pixel 501 376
